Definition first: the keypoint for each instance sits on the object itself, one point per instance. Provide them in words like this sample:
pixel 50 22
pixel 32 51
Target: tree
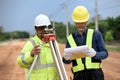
pixel 117 28
pixel 1 29
pixel 60 29
pixel 103 27
pixel 108 36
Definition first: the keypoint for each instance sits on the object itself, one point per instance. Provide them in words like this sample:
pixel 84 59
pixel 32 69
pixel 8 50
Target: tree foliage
pixel 111 25
pixel 108 36
pixel 1 29
pixel 14 35
pixel 61 31
pixel 110 29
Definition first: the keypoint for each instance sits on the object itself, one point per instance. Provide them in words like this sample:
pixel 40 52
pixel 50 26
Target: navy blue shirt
pixel 97 44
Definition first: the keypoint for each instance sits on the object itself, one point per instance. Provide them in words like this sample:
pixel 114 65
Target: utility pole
pixel 67 29
pixel 62 6
pixel 96 15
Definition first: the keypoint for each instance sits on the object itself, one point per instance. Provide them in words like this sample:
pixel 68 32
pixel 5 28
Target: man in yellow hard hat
pixel 44 68
pixel 88 67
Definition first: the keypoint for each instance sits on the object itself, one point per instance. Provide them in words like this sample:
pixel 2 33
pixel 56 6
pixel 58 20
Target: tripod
pixel 56 56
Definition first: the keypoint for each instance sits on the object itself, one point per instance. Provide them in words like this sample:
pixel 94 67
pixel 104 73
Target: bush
pixel 108 36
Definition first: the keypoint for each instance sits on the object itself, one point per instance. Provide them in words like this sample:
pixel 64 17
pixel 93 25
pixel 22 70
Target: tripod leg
pixel 60 61
pixel 31 68
pixel 56 60
pixel 33 64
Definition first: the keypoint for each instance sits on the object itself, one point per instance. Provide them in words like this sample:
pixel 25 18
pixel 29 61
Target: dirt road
pixel 9 70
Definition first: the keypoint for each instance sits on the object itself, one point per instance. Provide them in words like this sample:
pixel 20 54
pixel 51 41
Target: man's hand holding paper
pixel 89 52
pixel 67 56
pixel 78 52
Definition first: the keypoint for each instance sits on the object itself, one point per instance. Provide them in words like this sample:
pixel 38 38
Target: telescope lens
pixel 49 26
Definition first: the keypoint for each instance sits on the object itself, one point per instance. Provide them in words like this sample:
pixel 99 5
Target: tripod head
pixel 49 33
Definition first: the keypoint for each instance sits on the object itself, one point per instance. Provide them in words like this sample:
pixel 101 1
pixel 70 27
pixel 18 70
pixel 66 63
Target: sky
pixel 20 14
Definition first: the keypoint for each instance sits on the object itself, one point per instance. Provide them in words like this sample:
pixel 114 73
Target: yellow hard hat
pixel 80 14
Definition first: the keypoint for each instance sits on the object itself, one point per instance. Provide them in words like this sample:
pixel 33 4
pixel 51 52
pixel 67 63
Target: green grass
pixel 113 48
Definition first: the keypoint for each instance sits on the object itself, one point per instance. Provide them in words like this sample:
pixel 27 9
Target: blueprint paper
pixel 75 50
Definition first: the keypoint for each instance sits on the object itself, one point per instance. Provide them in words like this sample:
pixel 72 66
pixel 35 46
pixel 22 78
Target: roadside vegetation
pixel 113 48
pixel 110 29
pixel 113 45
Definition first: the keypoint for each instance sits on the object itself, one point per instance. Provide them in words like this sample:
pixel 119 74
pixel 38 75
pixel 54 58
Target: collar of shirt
pixel 80 39
pixel 77 33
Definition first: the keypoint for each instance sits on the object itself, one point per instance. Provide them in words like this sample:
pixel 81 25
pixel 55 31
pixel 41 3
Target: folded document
pixel 75 52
